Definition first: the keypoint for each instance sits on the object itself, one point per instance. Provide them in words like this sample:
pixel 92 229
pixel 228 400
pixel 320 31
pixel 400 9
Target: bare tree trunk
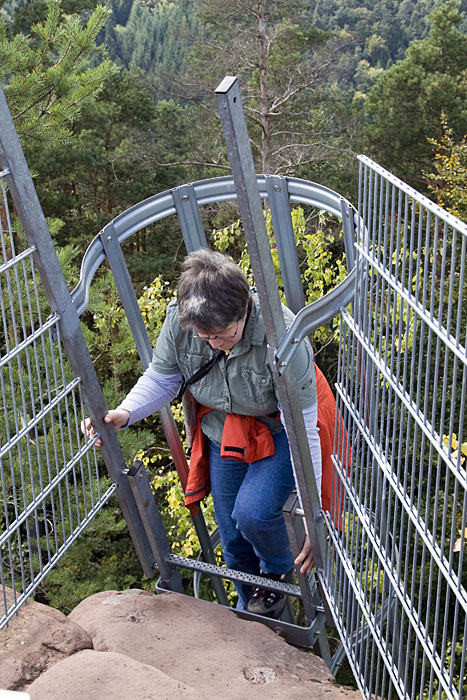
pixel 263 88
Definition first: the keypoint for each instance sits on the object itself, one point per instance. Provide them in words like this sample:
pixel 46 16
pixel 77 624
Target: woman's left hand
pixel 305 558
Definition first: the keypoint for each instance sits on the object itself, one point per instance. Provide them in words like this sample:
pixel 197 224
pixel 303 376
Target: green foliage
pixel 108 334
pixel 291 81
pixel 153 303
pixel 176 517
pixel 103 558
pixel 48 74
pixel 448 183
pixel 111 163
pixel 154 34
pixel 405 105
pixel 31 380
pixel 29 12
pixel 379 32
pixel 453 659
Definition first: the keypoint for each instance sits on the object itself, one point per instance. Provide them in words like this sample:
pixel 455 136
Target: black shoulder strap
pixel 199 374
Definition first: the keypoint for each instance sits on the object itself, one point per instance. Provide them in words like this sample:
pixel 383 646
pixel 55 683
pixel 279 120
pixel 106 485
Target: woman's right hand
pixel 118 416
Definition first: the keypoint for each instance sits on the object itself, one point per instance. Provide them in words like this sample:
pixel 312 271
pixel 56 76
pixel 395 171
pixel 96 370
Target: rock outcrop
pixel 135 644
pixel 93 675
pixel 36 639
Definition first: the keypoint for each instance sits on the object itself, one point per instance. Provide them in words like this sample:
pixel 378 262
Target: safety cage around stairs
pixel 389 554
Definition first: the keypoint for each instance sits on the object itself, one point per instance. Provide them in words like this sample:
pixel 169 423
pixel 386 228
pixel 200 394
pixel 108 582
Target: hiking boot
pixel 266 602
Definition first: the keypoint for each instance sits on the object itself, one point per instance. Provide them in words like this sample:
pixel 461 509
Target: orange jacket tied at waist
pixel 247 439
pixel 243 438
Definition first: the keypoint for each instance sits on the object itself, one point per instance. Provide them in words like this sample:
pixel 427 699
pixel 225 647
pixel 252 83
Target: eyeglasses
pixel 217 337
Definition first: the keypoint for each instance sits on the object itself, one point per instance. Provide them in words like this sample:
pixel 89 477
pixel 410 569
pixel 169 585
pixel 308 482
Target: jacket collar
pixel 254 333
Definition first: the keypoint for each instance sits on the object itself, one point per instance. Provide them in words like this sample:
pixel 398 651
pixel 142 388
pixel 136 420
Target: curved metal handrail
pixel 312 316
pixel 207 191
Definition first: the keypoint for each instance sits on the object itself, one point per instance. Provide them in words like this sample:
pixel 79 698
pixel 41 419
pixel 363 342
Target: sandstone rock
pixel 93 675
pixel 204 646
pixel 150 647
pixel 34 640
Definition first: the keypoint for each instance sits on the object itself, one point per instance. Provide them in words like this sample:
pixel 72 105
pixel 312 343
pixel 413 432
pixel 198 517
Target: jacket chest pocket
pixel 257 387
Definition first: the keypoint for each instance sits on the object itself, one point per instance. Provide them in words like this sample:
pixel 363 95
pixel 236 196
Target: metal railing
pixel 51 483
pixel 402 391
pixel 52 480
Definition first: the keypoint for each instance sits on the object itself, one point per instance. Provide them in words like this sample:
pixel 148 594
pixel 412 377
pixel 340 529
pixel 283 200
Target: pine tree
pixel 288 73
pixel 405 105
pixel 48 74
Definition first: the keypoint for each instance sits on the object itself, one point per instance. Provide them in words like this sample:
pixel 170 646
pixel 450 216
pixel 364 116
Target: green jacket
pixel 240 383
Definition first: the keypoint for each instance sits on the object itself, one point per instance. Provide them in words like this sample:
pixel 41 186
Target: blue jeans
pixel 248 501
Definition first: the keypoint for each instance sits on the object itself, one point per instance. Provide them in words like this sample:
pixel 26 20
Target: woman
pixel 215 325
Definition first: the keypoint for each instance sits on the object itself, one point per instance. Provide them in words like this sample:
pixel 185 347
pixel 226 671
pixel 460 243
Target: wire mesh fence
pixel 51 481
pixel 396 570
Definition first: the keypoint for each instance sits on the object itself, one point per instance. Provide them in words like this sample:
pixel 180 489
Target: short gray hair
pixel 212 292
